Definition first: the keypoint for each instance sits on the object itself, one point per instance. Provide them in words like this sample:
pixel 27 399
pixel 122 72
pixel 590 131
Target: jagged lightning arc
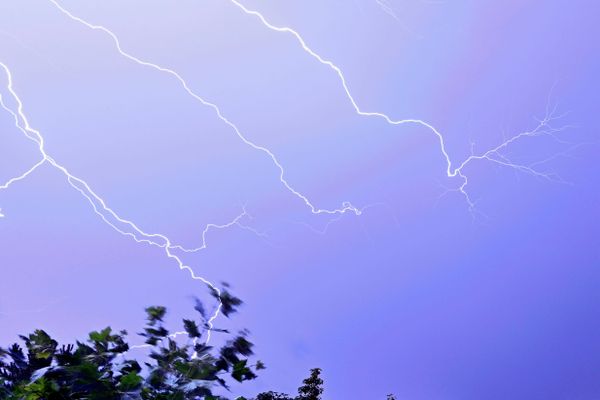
pixel 346 206
pixel 128 228
pixel 123 226
pixel 492 155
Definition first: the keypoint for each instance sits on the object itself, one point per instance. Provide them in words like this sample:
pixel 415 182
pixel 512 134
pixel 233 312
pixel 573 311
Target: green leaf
pixel 130 382
pixel 155 314
pixel 191 328
pixel 102 336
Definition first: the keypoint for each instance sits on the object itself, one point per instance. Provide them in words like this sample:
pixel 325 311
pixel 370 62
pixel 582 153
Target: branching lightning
pixel 110 217
pixel 346 206
pixel 129 228
pixel 208 227
pixel 24 174
pixel 494 155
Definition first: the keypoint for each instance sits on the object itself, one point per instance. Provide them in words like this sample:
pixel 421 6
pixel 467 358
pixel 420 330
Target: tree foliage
pixel 313 386
pixel 311 389
pixel 99 367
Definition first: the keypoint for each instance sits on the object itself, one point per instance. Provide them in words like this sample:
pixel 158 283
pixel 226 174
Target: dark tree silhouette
pixel 313 386
pixel 311 389
pixel 99 368
pixel 273 396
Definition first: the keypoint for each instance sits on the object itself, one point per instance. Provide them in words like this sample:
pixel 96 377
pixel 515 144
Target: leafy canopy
pixel 99 367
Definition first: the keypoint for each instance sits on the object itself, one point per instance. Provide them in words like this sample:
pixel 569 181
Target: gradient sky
pixel 418 296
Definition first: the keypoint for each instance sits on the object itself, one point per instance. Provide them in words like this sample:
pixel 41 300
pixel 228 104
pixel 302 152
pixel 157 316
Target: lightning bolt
pixel 346 206
pixel 130 229
pixel 494 155
pixel 330 222
pixel 110 217
pixel 208 227
pixel 24 174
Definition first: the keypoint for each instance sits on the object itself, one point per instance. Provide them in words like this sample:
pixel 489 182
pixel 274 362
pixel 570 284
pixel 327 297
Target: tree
pixel 313 386
pixel 311 389
pixel 273 396
pixel 98 368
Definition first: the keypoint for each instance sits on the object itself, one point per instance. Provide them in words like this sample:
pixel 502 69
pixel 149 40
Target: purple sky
pixel 419 295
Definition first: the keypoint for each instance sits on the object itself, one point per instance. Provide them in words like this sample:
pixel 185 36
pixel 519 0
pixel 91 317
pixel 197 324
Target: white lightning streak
pixel 25 174
pixel 346 206
pixel 542 128
pixel 130 229
pixel 332 221
pixel 97 203
pixel 208 227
